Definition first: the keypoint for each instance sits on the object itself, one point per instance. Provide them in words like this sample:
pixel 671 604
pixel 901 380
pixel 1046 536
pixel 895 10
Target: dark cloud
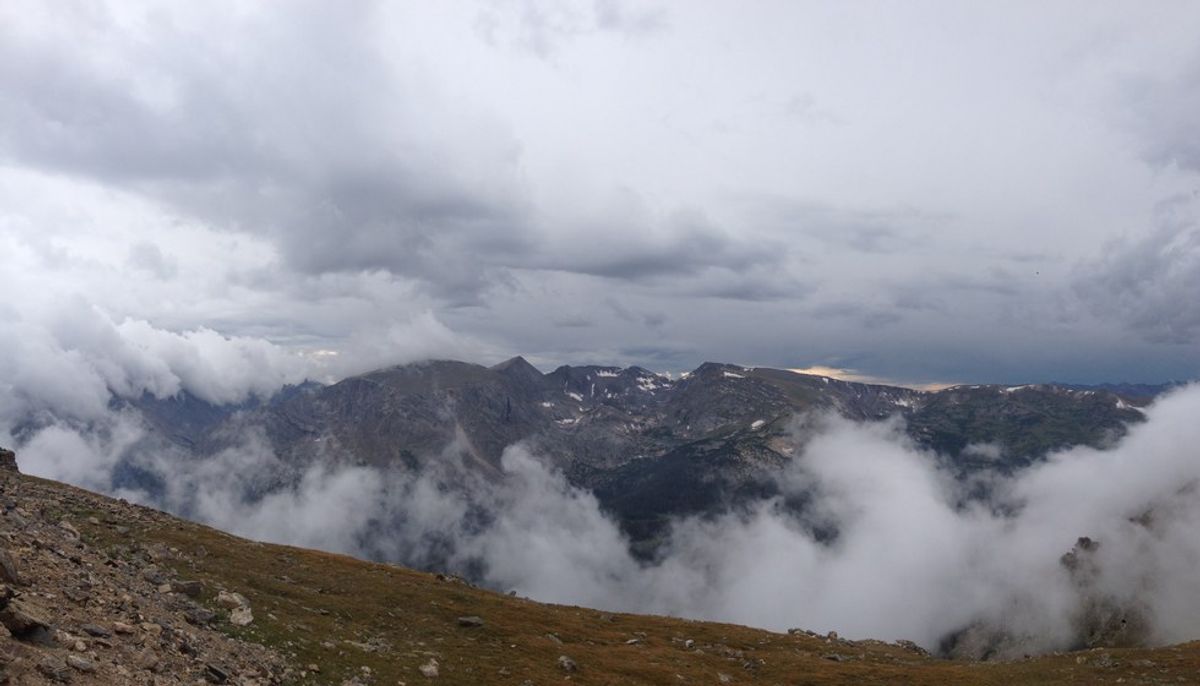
pixel 303 134
pixel 373 179
pixel 578 321
pixel 996 281
pixel 649 319
pixel 1150 283
pixel 307 135
pixel 660 357
pixel 754 285
pixel 910 298
pixel 640 249
pixel 901 230
pixel 654 319
pixel 868 317
pixel 247 145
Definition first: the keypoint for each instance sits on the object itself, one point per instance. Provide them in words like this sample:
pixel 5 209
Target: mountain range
pixel 649 446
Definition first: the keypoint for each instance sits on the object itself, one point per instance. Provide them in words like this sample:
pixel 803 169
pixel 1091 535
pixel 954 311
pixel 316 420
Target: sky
pixel 922 192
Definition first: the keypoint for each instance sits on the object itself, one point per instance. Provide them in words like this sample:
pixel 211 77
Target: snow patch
pixel 578 398
pixel 732 375
pixel 651 383
pixel 757 424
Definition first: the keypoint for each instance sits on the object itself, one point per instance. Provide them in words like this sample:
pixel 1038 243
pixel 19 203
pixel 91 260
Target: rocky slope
pixel 98 591
pixel 108 606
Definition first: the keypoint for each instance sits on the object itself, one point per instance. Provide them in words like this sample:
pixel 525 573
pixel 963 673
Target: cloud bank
pixel 72 360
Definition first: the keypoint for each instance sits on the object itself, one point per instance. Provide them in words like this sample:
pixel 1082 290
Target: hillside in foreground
pixel 99 591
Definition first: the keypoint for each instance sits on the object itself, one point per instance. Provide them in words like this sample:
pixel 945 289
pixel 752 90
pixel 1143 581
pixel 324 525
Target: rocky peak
pixel 516 364
pixel 518 370
pixel 709 370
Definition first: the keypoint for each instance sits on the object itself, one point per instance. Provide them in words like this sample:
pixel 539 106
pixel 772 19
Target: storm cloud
pixel 334 178
pixel 1149 282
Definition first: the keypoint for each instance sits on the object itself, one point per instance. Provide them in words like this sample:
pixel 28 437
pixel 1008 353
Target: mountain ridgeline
pixel 649 446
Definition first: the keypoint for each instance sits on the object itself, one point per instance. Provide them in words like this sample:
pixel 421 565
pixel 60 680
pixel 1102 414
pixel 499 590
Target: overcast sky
pixel 919 191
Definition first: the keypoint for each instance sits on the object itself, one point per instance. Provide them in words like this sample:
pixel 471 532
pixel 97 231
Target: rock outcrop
pixel 8 461
pixel 1102 619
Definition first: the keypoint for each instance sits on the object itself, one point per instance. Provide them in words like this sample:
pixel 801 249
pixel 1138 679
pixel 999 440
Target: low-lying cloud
pixel 911 556
pixel 70 361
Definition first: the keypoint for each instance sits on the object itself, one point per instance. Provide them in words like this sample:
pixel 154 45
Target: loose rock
pixel 95 630
pixel 147 660
pixel 215 674
pixel 200 616
pixel 81 663
pixel 67 527
pixel 232 600
pixel 26 621
pixel 54 669
pixel 8 568
pixel 191 589
pixel 470 621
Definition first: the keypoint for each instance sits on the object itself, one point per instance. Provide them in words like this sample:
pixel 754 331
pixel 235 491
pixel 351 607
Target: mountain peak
pixel 516 364
pixel 716 368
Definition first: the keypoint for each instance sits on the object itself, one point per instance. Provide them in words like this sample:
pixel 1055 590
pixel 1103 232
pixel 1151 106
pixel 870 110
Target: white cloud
pixel 71 361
